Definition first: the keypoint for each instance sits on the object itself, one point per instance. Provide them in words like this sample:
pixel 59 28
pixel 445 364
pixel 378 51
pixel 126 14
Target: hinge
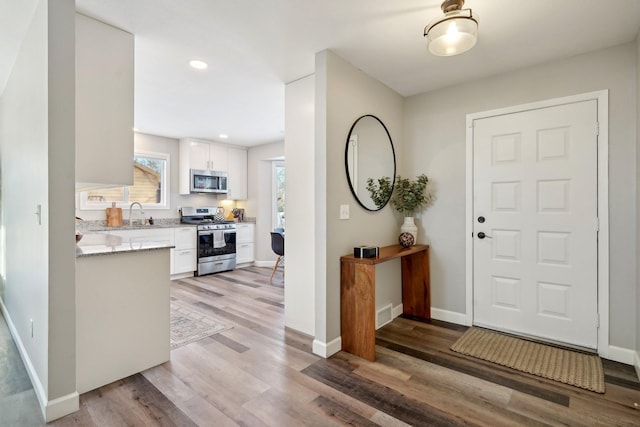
pixel 597 128
pixel 597 320
pixel 597 223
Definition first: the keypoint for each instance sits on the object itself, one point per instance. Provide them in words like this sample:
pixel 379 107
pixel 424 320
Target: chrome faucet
pixel 131 212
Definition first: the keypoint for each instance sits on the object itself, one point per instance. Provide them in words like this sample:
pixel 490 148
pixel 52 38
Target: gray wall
pixel 637 363
pixel 435 144
pixel 344 93
pixel 37 151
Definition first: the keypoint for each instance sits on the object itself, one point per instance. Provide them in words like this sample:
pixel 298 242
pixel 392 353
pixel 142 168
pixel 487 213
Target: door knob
pixel 482 235
pixel 481 219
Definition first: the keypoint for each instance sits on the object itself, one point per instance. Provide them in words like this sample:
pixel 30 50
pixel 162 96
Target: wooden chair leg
pixel 274 269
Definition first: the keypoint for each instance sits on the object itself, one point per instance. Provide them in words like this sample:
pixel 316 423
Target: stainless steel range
pixel 216 239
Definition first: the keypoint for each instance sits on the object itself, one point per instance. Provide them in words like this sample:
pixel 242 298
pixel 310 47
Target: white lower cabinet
pixel 244 243
pixel 183 257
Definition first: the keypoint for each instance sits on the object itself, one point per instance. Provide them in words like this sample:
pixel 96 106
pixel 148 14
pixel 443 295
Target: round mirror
pixel 370 161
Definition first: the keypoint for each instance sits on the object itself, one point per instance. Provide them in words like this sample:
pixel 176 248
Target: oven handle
pixel 210 232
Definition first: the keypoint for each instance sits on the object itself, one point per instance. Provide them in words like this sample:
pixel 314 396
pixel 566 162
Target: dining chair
pixel 277 246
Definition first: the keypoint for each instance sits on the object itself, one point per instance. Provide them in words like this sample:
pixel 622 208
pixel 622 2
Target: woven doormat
pixel 188 325
pixel 566 366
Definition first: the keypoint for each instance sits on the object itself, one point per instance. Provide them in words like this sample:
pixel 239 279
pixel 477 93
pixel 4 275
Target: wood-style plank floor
pixel 261 374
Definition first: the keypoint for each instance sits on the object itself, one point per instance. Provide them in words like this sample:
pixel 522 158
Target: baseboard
pixel 622 355
pixel 269 264
pixel 326 350
pixel 637 364
pixel 50 410
pixel 397 310
pixel 448 316
pixel 181 276
pixel 65 405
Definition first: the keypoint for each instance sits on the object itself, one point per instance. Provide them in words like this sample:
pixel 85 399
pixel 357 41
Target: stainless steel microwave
pixel 203 181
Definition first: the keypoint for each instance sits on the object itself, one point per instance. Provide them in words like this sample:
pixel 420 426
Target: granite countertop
pixel 91 226
pixel 93 244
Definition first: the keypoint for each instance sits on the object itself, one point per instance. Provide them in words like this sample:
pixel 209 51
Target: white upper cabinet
pixel 237 174
pixel 205 155
pixel 198 153
pixel 104 103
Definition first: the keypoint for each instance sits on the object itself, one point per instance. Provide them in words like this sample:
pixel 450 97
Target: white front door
pixel 535 200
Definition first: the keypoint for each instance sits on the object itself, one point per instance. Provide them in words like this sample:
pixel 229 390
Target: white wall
pixel 300 248
pixel 259 202
pixel 435 144
pixel 37 147
pixel 344 93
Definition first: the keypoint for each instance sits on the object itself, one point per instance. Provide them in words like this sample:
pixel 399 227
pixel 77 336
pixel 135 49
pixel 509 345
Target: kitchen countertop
pixel 92 226
pixel 93 244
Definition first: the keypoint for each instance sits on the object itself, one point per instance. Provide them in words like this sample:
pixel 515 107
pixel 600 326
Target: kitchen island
pixel 122 299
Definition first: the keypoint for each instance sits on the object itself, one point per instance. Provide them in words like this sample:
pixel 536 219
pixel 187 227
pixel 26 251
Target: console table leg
pixel 357 309
pixel 416 299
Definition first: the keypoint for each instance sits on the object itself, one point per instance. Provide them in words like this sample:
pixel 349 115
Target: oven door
pixel 216 244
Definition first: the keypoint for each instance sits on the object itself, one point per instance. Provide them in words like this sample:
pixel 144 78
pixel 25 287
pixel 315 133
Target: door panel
pixel 535 185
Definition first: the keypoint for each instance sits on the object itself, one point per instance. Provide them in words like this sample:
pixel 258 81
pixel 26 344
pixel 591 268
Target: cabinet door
pixel 184 261
pixel 199 155
pixel 244 252
pixel 237 174
pixel 185 238
pixel 218 160
pixel 244 233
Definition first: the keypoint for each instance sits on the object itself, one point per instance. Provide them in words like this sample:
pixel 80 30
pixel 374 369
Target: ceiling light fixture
pixel 223 136
pixel 454 33
pixel 198 65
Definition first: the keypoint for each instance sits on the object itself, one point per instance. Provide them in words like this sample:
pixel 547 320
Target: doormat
pixel 569 367
pixel 188 325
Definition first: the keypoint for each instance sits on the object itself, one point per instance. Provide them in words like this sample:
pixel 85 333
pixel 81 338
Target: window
pixel 278 181
pixel 150 178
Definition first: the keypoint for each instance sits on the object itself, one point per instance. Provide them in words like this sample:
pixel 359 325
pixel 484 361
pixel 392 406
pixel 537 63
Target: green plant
pixel 379 191
pixel 408 196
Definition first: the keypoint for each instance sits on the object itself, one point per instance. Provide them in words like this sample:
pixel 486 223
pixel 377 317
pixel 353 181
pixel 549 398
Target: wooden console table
pixel 358 295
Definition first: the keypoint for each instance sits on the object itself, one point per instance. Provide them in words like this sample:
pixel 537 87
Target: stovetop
pixel 202 221
pixel 203 215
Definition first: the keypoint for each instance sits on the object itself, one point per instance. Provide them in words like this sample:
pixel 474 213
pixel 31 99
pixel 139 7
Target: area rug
pixel 569 367
pixel 188 325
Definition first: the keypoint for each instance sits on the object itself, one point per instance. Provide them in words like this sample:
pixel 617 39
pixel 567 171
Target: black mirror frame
pixel 346 163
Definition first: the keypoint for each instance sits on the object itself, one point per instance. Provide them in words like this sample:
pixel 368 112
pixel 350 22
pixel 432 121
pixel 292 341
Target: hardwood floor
pixel 261 374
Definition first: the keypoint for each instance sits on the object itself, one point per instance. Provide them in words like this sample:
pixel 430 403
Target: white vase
pixel 408 226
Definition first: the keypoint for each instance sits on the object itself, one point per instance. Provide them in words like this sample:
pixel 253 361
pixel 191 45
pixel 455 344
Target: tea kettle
pixel 219 215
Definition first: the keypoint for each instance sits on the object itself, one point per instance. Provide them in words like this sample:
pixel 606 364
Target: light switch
pixel 344 211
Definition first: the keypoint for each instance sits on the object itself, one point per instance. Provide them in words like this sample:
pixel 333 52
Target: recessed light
pixel 198 65
pixel 136 130
pixel 223 136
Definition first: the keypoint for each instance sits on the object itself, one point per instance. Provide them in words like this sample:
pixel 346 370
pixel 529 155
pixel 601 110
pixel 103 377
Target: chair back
pixel 277 243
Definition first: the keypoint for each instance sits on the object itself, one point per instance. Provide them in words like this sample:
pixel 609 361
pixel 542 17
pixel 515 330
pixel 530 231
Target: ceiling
pixel 255 47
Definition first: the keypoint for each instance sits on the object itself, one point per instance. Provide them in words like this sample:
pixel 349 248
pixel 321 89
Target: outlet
pixel 344 211
pixel 31 326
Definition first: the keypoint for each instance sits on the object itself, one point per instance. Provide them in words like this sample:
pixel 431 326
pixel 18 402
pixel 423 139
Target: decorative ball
pixel 406 240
